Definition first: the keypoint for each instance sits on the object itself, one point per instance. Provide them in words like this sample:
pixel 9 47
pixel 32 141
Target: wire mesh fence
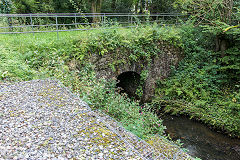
pixel 58 22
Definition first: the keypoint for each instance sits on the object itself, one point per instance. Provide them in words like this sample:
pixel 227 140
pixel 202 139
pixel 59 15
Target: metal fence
pixel 58 22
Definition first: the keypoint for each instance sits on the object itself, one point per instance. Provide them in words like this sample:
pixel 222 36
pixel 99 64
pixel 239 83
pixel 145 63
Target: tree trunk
pixel 96 8
pixel 147 6
pixel 223 47
pixel 136 6
pixel 99 6
pixel 113 6
pixel 142 6
pixel 221 44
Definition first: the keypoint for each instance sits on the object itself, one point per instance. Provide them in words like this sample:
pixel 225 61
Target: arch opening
pixel 129 82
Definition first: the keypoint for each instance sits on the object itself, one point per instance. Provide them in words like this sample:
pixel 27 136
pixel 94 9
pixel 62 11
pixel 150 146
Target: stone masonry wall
pixel 111 65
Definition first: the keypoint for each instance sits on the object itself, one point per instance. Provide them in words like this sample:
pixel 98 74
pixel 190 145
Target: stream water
pixel 198 139
pixel 201 141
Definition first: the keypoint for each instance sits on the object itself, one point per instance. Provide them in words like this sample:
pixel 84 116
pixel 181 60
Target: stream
pixel 200 141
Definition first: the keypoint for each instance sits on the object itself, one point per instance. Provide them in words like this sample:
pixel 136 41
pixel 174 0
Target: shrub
pixel 204 86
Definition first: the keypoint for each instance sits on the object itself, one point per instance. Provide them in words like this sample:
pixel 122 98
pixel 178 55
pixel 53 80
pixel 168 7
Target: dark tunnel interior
pixel 129 82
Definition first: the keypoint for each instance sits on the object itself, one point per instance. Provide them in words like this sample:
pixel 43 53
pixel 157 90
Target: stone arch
pixel 110 66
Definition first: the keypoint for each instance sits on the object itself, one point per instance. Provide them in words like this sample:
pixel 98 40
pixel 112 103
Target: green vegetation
pixel 26 57
pixel 205 86
pixel 86 6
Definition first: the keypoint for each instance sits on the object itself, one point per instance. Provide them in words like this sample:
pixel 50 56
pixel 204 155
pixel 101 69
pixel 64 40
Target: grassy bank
pixel 28 56
pixel 205 86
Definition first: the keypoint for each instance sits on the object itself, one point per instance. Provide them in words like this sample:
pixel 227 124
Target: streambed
pixel 201 141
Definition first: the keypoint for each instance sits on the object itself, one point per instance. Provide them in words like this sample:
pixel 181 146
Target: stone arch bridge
pixel 119 66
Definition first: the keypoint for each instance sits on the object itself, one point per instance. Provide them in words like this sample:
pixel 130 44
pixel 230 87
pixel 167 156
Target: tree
pixel 117 6
pixel 5 6
pixel 219 18
pixel 209 11
pixel 82 6
pixel 96 6
pixel 43 6
pixel 213 15
pixel 162 6
pixel 25 6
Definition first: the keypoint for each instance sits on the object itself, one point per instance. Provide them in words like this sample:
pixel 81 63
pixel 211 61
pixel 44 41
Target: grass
pixel 28 56
pixel 43 55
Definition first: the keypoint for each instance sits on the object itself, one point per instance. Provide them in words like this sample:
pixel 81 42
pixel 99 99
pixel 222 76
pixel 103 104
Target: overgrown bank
pixel 204 86
pixel 25 57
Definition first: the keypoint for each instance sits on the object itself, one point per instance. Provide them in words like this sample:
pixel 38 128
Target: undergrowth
pixel 206 85
pixel 42 56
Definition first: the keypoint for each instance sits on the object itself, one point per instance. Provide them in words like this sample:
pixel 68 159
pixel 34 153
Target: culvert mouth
pixel 129 82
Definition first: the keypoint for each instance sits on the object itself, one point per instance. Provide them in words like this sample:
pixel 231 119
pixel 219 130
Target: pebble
pixel 39 119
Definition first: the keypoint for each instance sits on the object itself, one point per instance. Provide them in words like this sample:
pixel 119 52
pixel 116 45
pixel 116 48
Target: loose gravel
pixel 41 119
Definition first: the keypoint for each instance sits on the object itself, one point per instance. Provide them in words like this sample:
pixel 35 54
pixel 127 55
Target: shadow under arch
pixel 129 82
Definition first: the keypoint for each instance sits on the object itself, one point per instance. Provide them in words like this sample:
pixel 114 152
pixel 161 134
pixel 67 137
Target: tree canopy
pixel 86 6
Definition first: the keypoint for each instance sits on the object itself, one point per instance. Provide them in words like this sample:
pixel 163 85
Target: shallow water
pixel 201 141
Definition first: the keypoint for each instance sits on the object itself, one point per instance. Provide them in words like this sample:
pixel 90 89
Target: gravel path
pixel 41 119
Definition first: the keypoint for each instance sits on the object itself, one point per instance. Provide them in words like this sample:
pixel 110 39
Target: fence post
pixel 163 19
pixel 57 27
pixel 9 19
pixel 75 20
pixel 31 23
pixel 104 19
pixel 177 20
pixel 131 19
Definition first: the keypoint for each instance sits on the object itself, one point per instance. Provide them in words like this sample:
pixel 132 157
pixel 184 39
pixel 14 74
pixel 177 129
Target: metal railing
pixel 58 22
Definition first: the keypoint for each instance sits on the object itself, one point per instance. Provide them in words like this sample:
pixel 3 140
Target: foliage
pixel 65 60
pixel 12 65
pixel 161 6
pixel 208 11
pixel 81 6
pixel 42 6
pixel 117 6
pixel 213 15
pixel 205 84
pixel 102 95
pixel 91 6
pixel 25 6
pixel 5 6
pixel 230 64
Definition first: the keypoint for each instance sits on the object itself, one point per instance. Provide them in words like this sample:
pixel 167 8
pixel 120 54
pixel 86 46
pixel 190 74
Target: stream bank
pixel 201 141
